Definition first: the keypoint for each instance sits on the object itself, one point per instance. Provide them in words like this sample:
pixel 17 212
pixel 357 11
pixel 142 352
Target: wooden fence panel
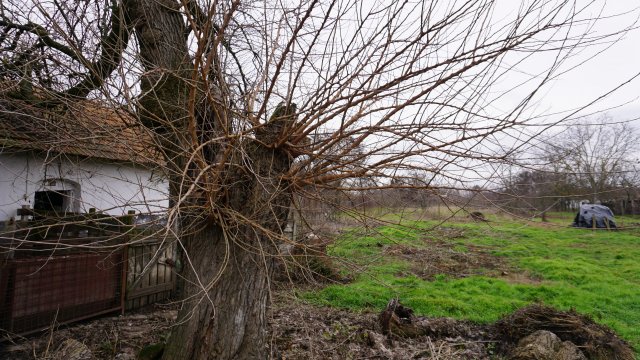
pixel 148 261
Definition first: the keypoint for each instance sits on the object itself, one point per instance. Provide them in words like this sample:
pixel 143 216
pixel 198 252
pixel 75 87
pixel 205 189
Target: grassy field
pixel 594 272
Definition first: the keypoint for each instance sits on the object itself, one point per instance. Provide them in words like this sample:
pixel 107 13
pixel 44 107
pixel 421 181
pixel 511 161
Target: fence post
pixel 91 224
pixel 125 271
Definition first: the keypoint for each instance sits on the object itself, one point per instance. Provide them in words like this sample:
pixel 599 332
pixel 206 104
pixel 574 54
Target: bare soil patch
pixel 442 257
pixel 298 331
pixel 301 331
pixel 596 341
pixel 110 337
pixel 308 332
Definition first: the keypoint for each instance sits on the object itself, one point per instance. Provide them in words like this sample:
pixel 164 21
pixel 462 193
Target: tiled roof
pixel 85 128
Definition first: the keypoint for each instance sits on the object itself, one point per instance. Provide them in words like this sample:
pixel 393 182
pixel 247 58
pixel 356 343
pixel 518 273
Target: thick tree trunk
pixel 228 264
pixel 227 225
pixel 226 295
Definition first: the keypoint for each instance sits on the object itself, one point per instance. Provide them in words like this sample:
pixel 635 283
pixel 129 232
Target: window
pixel 58 201
pixel 57 195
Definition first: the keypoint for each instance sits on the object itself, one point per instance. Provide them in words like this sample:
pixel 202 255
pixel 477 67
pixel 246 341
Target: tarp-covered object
pixel 602 215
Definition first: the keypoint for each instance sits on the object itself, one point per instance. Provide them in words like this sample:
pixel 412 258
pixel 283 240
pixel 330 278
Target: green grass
pixel 596 273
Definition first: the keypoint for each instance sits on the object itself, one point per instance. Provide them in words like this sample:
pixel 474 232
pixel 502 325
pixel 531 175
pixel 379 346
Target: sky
pixel 605 71
pixel 599 70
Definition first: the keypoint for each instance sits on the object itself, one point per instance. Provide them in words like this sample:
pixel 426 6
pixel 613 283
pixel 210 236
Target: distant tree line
pixel 595 161
pixel 591 160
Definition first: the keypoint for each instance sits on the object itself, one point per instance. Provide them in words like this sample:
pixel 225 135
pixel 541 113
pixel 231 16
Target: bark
pixel 162 104
pixel 228 320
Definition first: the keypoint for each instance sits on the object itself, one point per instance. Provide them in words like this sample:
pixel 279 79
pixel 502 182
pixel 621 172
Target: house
pixel 56 164
pixel 76 158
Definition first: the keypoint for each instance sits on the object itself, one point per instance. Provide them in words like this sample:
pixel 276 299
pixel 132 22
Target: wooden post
pixel 127 221
pixel 91 225
pixel 129 217
pixel 23 214
pixel 123 284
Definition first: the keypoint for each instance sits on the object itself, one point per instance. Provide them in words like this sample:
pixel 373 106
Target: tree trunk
pixel 228 319
pixel 228 264
pixel 227 226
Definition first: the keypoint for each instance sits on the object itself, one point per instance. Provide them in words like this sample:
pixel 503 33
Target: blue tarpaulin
pixel 602 215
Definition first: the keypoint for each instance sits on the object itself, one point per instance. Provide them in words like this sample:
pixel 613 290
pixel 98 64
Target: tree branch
pixel 112 47
pixel 44 36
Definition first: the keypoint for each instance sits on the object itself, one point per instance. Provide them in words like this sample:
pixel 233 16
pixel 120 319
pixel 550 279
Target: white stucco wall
pixel 108 186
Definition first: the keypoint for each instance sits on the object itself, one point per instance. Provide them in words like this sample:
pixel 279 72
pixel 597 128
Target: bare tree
pixel 596 156
pixel 533 192
pixel 233 93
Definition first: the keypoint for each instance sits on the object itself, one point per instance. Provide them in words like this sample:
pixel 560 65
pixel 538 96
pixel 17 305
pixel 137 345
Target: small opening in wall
pixel 57 201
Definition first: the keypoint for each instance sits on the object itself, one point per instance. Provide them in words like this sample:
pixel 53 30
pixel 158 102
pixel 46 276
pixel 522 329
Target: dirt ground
pixel 308 332
pixel 109 337
pixel 299 331
pixel 441 257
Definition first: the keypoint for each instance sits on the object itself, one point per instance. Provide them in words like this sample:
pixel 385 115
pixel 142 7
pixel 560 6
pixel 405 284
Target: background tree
pixel 216 83
pixel 594 156
pixel 588 159
pixel 535 189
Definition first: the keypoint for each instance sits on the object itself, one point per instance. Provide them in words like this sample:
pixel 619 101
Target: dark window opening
pixel 51 200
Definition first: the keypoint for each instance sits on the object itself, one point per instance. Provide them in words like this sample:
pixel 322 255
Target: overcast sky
pixel 603 72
